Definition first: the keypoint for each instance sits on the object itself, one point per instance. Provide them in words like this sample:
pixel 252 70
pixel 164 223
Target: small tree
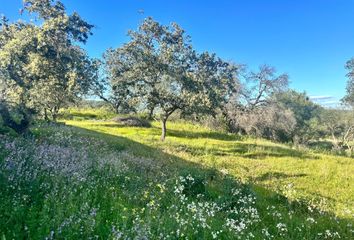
pixel 305 112
pixel 260 86
pixel 338 124
pixel 254 103
pixel 268 121
pixel 348 100
pixel 349 97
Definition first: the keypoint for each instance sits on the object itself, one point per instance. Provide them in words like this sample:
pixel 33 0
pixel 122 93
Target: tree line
pixel 44 68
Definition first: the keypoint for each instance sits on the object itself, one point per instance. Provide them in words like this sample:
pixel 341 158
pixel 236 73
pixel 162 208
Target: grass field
pixel 95 179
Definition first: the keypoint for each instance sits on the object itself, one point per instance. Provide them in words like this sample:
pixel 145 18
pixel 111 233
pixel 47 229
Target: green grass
pixel 130 186
pixel 313 176
pixel 86 113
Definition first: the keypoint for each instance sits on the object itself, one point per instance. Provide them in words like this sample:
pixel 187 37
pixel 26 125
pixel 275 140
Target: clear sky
pixel 309 39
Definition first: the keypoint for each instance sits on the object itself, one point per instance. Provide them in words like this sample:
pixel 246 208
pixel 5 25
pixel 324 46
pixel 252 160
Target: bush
pixel 132 121
pixel 217 123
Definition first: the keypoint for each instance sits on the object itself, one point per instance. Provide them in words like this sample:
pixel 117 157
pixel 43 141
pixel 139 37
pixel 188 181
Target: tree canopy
pixel 349 97
pixel 44 68
pixel 159 69
pixel 42 65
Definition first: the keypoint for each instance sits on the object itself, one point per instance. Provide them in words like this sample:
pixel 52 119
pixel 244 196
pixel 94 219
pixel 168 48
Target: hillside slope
pixel 97 179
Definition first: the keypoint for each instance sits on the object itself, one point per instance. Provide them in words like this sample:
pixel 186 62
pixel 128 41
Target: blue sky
pixel 309 39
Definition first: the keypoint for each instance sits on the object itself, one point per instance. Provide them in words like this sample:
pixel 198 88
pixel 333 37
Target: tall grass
pixel 96 179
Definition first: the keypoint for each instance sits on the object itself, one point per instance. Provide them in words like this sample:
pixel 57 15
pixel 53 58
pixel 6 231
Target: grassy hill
pixel 90 178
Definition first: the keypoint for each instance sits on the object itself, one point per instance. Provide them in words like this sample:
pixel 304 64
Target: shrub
pixel 132 121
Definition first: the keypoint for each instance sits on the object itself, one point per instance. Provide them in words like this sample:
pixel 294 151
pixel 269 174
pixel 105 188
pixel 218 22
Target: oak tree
pixel 42 65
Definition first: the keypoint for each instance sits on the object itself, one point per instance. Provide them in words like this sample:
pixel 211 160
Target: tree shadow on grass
pixel 246 150
pixel 172 165
pixel 277 176
pixel 80 116
pixel 119 125
pixel 171 162
pixel 203 134
pixel 260 151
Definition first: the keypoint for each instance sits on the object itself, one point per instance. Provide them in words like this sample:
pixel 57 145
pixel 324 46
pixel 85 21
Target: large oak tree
pixel 42 66
pixel 160 70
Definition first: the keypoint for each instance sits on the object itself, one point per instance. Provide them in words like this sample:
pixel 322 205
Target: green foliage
pixel 219 84
pixel 159 70
pixel 42 66
pixel 253 110
pixel 132 121
pixel 305 112
pixel 117 180
pixel 338 125
pixel 349 98
pixel 121 182
pixel 80 113
pixel 6 130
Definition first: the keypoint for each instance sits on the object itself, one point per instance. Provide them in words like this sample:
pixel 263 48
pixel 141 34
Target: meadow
pixel 87 177
pixel 147 134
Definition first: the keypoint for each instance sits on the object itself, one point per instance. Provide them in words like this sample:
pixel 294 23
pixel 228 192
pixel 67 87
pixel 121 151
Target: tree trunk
pixel 46 118
pixel 164 118
pixel 163 125
pixel 55 112
pixel 116 109
pixel 151 113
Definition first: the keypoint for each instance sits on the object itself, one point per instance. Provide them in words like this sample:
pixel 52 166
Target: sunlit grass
pixel 319 178
pixel 95 178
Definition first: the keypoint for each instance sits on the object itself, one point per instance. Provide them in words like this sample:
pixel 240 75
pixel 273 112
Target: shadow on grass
pixel 321 145
pixel 172 165
pixel 259 151
pixel 203 134
pixel 80 116
pixel 246 150
pixel 118 125
pixel 277 175
pixel 167 164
